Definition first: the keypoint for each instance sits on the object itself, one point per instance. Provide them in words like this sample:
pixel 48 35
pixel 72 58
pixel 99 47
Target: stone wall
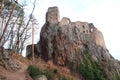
pixel 83 26
pixel 97 35
pixel 99 38
pixel 52 15
pixel 64 21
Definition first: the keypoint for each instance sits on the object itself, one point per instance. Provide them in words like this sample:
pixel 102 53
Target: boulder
pixel 42 77
pixel 7 61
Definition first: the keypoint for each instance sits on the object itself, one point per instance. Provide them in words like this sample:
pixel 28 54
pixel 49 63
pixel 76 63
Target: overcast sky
pixel 104 14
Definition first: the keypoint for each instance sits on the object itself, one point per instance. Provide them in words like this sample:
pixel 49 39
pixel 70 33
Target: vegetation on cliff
pixel 89 69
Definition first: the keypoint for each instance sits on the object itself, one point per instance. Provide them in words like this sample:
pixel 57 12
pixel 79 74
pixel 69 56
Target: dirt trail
pixel 19 75
pixel 12 75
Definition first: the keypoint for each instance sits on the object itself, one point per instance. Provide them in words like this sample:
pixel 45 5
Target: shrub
pixel 62 77
pixel 89 69
pixel 117 76
pixel 55 70
pixel 48 73
pixel 34 71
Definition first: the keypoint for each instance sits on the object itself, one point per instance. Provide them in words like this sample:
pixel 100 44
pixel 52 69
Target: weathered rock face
pixel 65 42
pixel 62 40
pixel 6 60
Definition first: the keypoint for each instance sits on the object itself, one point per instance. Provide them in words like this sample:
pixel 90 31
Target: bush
pixel 117 76
pixel 62 77
pixel 55 71
pixel 48 73
pixel 34 71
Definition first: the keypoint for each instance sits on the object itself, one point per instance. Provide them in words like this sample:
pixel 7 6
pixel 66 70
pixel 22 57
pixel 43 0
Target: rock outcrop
pixel 63 39
pixel 42 77
pixel 65 42
pixel 6 60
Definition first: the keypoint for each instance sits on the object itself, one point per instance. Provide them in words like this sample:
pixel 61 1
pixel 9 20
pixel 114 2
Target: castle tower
pixel 52 15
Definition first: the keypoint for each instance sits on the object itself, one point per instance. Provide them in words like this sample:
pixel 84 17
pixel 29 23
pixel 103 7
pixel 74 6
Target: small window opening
pixel 83 26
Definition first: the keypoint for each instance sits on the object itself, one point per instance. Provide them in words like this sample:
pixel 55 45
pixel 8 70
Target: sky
pixel 104 14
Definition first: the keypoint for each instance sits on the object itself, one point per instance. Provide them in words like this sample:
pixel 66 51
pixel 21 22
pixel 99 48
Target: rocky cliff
pixel 78 45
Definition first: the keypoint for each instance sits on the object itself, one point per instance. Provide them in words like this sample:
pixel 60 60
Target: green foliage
pixel 49 74
pixel 90 69
pixel 34 71
pixel 55 70
pixel 117 76
pixel 6 1
pixel 62 77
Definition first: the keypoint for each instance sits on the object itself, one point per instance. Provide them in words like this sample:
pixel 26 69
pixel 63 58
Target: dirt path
pixel 19 75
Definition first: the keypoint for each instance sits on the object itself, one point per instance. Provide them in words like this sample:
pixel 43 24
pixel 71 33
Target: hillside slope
pixel 21 73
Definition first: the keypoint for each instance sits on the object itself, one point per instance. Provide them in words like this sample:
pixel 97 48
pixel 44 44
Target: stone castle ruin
pixel 61 40
pixel 53 18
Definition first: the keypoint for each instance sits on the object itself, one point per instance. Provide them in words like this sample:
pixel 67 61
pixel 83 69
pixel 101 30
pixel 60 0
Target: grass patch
pixel 34 71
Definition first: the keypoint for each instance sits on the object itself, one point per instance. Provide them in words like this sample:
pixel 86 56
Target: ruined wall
pixel 52 15
pixel 98 36
pixel 64 21
pixel 83 26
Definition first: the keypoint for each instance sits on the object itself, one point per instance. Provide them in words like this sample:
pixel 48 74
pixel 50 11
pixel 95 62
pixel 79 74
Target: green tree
pixel 15 27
